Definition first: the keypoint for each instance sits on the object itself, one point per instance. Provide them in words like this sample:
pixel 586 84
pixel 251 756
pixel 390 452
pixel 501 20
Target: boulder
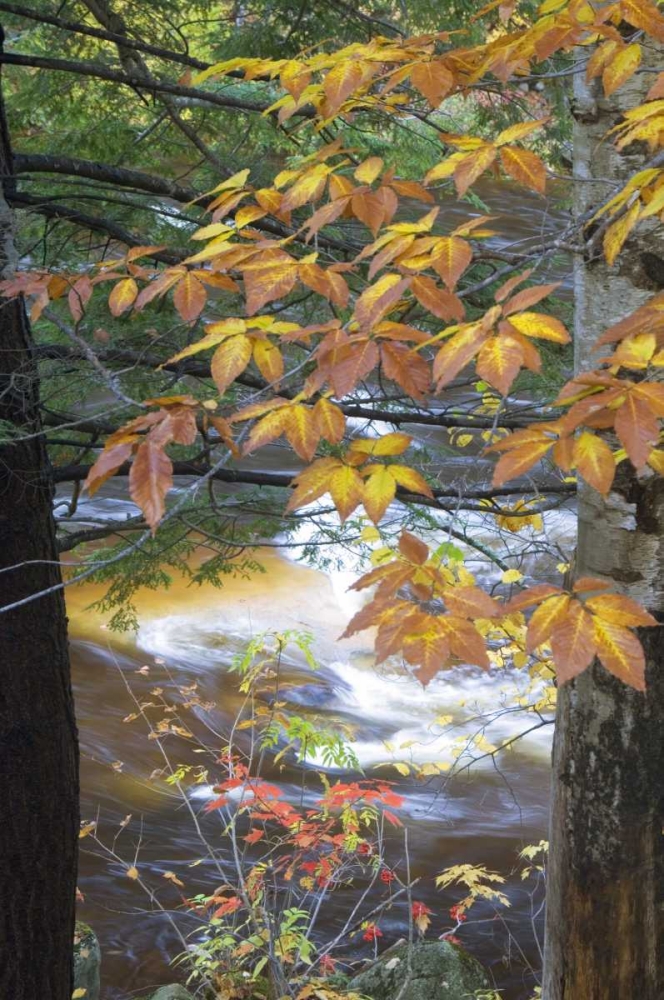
pixel 440 971
pixel 87 961
pixel 175 992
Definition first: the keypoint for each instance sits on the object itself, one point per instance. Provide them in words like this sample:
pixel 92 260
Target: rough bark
pixel 605 907
pixel 38 743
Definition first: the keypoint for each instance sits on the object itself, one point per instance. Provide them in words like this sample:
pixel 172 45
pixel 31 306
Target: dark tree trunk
pixel 38 740
pixel 605 886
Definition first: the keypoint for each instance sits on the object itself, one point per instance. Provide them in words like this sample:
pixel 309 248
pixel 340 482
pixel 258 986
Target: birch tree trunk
pixel 38 742
pixel 605 903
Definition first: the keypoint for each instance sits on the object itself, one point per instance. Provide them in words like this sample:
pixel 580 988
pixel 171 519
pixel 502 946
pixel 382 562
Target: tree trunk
pixel 38 740
pixel 605 902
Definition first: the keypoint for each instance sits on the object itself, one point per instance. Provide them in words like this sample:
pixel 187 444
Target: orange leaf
pixel 528 297
pixel 352 363
pixel 637 429
pixel 413 549
pixel 573 643
pixel 524 167
pixel 409 370
pixel 190 297
pixel 429 652
pixel 272 277
pixel 499 362
pixel 379 298
pixel 433 80
pixel 107 463
pixel 518 461
pixel 440 303
pixel 470 602
pixel 457 353
pixel 472 166
pixel 342 80
pixel 545 618
pixel 451 258
pixel 150 479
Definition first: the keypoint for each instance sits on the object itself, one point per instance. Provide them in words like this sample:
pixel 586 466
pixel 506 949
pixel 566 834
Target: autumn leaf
pixel 190 297
pixel 620 652
pixel 520 460
pixel 150 479
pixel 412 548
pixel 433 80
pixel 524 167
pixel 379 298
pixel 620 68
pixel 379 492
pixel 499 362
pixel 388 444
pixel 540 326
pixel 451 258
pixel 229 360
pixel 122 296
pixel 459 350
pixel 594 460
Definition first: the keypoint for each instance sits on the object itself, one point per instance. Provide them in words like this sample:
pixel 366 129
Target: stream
pixel 481 814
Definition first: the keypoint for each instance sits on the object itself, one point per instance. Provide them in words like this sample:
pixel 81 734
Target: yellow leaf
pixel 402 769
pixel 621 67
pixel 368 171
pixel 389 444
pixel 122 296
pixel 540 326
pixel 594 460
pixel 132 872
pixel 511 576
pixel 269 360
pixel 230 360
pixel 519 131
pixel 346 488
pixel 379 491
pixel 618 232
pixel 79 992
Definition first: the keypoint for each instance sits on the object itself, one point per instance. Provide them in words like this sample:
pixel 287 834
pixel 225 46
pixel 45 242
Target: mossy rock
pixel 87 961
pixel 174 992
pixel 440 971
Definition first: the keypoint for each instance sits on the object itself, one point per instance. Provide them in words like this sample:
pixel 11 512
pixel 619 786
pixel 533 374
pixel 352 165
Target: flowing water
pixel 483 814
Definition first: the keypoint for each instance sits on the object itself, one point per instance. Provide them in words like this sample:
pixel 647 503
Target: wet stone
pixel 440 971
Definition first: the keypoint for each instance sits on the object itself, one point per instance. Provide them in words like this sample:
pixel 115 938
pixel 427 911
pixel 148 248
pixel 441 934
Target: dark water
pixel 484 815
